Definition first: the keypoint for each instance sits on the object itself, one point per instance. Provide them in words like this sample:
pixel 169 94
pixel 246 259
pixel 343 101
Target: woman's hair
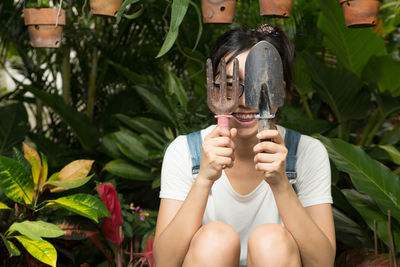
pixel 243 39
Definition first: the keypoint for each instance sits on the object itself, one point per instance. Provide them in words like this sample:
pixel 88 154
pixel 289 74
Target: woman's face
pixel 243 117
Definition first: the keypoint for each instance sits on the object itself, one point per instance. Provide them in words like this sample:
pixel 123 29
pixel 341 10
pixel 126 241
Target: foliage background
pixel 105 96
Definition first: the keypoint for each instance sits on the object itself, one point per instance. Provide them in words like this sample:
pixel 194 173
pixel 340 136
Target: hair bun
pixel 267 29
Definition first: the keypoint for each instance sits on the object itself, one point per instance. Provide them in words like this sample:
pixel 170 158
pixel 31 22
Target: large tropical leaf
pixel 15 181
pixel 340 89
pixel 368 175
pixel 40 249
pixel 4 206
pixel 83 204
pixel 35 230
pixel 12 249
pixel 131 146
pixel 348 231
pixel 155 101
pixel 144 125
pixel 79 122
pixel 13 127
pixel 384 72
pixel 366 206
pixel 175 87
pixel 68 184
pixel 126 170
pixel 76 227
pixel 352 47
pixel 179 8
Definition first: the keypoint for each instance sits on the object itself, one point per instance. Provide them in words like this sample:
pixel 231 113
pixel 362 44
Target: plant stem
pixel 389 134
pixel 306 107
pixel 368 127
pixel 373 132
pixel 340 130
pixel 66 75
pixel 92 85
pixel 375 240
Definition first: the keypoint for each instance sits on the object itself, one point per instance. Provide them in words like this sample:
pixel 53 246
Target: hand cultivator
pixel 223 98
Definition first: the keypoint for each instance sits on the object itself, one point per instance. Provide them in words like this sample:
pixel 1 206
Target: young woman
pixel 241 210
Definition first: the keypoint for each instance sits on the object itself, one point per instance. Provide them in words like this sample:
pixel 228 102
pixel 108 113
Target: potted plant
pixel 33 218
pixel 360 13
pixel 105 7
pixel 218 11
pixel 276 8
pixel 45 24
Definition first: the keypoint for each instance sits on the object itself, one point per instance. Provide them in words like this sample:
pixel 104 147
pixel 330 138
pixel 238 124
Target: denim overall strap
pixel 194 141
pixel 292 139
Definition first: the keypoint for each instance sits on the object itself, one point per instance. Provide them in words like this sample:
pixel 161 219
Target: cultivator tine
pixel 220 102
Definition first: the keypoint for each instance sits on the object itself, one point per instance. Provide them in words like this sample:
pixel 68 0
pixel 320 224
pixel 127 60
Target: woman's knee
pixel 215 240
pixel 273 243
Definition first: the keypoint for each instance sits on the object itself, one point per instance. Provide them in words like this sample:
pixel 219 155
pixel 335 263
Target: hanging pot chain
pixel 59 12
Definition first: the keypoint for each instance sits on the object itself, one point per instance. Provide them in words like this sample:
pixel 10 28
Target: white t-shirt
pixel 245 212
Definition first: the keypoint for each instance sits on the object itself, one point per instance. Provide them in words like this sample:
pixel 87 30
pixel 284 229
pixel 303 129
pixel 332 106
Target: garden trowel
pixel 264 82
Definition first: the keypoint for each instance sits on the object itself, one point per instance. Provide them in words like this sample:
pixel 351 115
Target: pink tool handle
pixel 223 120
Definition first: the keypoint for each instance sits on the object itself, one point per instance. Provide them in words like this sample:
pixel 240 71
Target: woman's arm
pixel 178 221
pixel 311 227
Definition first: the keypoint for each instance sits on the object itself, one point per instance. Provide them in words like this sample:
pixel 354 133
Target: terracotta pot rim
pixel 50 19
pixel 343 1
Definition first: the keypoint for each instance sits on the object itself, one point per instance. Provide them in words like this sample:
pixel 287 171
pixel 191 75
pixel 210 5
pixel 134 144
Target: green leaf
pixel 394 154
pixel 76 227
pixel 12 249
pixel 35 230
pixel 15 181
pixel 348 231
pixel 13 127
pixel 126 170
pixel 366 206
pixel 123 7
pixel 383 71
pixel 45 168
pixel 168 43
pixel 175 87
pixel 53 177
pixel 302 79
pixel 79 122
pixel 131 147
pixel 69 184
pixel 340 89
pixel 4 206
pixel 83 204
pixel 368 175
pixel 144 125
pixel 200 21
pixel 155 101
pixel 179 8
pixel 352 47
pixel 35 169
pixel 136 14
pixel 41 250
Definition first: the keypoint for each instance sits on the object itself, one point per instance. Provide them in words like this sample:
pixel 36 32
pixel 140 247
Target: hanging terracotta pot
pixel 360 13
pixel 45 26
pixel 105 7
pixel 276 8
pixel 218 11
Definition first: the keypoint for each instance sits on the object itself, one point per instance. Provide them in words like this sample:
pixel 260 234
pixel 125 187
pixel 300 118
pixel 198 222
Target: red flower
pixel 111 227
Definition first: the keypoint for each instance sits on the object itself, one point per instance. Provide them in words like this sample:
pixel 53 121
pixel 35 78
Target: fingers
pixel 271 134
pixel 218 131
pixel 269 147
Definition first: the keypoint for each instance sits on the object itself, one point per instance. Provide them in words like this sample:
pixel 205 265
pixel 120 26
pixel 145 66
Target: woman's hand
pixel 217 153
pixel 271 157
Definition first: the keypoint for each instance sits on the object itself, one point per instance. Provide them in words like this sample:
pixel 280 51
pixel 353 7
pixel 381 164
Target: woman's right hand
pixel 217 153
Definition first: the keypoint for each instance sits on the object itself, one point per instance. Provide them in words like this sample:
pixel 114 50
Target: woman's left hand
pixel 271 157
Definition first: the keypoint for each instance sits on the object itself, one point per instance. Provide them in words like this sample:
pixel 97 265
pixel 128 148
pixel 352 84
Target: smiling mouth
pixel 244 117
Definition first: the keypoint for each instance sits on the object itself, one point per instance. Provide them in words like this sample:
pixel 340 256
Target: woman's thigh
pixel 272 245
pixel 214 244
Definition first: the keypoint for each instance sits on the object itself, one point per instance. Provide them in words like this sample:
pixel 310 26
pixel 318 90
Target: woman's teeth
pixel 244 116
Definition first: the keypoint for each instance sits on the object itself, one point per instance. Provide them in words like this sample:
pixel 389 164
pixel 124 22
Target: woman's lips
pixel 244 118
